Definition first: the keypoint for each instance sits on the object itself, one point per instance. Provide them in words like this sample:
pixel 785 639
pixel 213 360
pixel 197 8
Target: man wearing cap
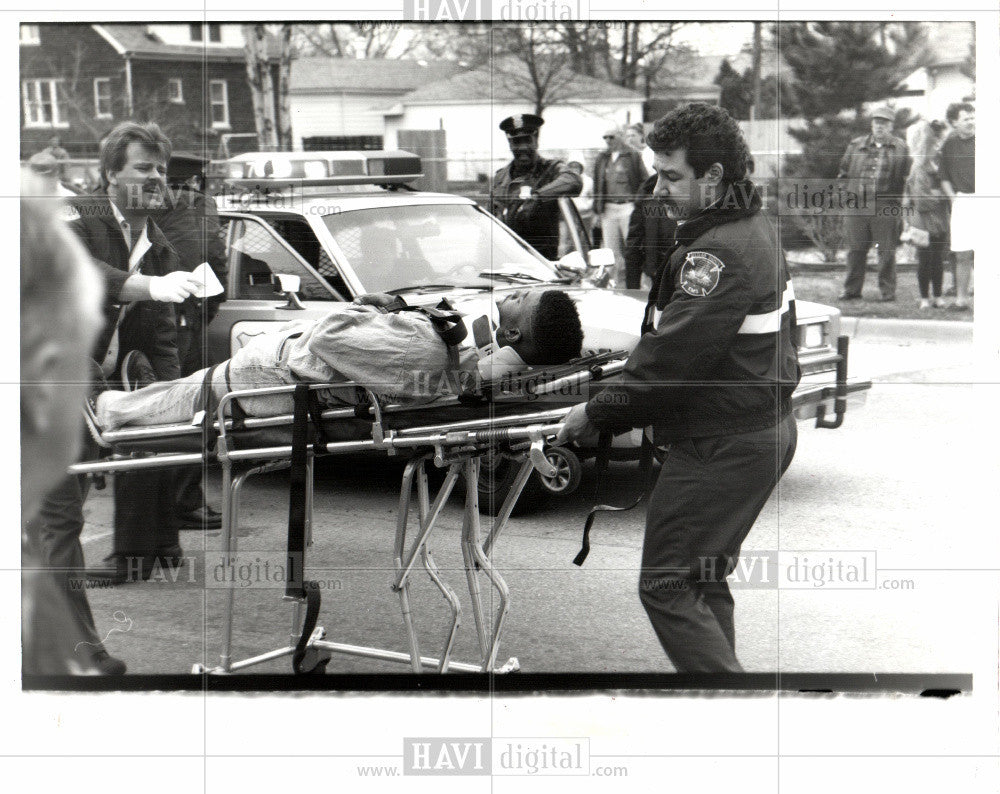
pixel 881 161
pixel 618 174
pixel 523 192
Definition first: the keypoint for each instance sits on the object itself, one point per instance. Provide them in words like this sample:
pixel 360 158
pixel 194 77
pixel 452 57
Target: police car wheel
pixel 496 478
pixel 568 471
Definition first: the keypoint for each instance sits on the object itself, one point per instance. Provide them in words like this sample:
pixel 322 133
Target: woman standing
pixel 927 216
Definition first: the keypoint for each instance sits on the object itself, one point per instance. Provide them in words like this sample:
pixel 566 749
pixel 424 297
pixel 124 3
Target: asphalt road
pixel 896 482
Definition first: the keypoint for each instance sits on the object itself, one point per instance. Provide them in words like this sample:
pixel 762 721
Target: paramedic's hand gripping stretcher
pixel 310 389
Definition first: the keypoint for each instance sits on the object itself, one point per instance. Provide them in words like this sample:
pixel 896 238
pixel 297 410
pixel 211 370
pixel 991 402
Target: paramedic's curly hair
pixel 556 328
pixel 709 135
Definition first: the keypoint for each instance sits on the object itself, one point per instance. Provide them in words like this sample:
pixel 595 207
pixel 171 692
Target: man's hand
pixel 173 287
pixel 576 425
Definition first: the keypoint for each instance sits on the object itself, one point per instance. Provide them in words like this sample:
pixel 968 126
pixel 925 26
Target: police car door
pixel 256 255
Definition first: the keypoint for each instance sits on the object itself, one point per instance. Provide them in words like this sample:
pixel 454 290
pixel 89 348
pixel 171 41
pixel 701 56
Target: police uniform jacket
pixel 717 355
pixel 149 326
pixel 534 219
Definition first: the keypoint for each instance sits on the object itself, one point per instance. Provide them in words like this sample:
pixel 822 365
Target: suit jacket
pixel 191 226
pixel 149 326
pixel 636 171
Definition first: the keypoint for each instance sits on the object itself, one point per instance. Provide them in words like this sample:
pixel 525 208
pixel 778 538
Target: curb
pixel 949 331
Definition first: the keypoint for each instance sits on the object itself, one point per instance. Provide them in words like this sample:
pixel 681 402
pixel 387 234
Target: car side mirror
pixel 288 285
pixel 573 264
pixel 600 259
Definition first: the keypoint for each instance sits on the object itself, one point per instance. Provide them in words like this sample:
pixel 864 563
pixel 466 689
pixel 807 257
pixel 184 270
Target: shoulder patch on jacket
pixel 700 273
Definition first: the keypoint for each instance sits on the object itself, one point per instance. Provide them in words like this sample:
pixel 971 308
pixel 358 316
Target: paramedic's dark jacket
pixel 721 358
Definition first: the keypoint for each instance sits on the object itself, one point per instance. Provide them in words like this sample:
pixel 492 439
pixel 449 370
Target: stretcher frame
pixel 457 446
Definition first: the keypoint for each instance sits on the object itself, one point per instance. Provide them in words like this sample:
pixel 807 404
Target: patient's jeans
pixel 259 364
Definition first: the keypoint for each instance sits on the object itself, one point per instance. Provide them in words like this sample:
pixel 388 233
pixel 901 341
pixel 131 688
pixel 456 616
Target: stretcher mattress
pixel 512 396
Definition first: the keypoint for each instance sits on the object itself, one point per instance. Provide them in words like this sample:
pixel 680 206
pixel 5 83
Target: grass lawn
pixel 825 285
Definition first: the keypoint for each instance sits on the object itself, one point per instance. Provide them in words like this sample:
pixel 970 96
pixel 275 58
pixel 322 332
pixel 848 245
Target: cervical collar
pixel 494 361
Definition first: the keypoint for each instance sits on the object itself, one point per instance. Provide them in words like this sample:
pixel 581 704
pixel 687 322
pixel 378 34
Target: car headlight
pixel 812 335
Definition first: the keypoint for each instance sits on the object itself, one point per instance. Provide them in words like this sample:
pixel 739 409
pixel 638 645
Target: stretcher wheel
pixel 315 661
pixel 568 471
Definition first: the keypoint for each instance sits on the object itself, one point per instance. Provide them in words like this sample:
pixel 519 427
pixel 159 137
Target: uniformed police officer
pixel 522 191
pixel 713 373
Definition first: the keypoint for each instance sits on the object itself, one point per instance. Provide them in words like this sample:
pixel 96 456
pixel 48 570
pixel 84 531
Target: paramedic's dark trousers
pixel 708 495
pixel 54 536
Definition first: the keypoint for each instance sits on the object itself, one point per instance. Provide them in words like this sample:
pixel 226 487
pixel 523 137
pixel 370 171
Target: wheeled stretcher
pixel 454 433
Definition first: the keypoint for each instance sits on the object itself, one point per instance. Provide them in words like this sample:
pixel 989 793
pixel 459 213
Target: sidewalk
pixel 948 331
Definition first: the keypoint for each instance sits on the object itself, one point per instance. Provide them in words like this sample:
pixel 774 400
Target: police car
pixel 304 230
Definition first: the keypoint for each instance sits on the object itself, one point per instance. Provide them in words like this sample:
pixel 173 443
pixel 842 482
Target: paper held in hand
pixel 210 285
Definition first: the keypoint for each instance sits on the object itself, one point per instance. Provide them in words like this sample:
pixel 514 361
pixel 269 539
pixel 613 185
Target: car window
pixel 405 246
pixel 299 235
pixel 256 254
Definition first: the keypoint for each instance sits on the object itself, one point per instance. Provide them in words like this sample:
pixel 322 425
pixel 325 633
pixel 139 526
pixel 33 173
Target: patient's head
pixel 542 326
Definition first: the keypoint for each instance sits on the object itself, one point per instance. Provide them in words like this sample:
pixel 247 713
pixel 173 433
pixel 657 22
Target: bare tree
pixel 284 37
pixel 261 84
pixel 531 62
pixel 355 40
pixel 637 55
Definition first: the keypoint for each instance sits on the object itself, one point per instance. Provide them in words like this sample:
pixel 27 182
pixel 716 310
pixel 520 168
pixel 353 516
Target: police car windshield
pixel 391 248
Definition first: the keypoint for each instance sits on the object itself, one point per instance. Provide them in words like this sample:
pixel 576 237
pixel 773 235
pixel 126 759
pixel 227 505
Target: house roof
pixel 365 76
pixel 137 40
pixel 506 81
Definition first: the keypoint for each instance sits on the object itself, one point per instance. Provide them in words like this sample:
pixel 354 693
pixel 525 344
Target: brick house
pixel 79 80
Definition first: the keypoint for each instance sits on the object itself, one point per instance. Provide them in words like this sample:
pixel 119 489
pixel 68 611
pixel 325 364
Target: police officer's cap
pixel 521 125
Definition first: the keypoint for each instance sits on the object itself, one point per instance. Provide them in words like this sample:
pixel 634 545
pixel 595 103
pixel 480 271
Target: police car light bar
pixel 380 167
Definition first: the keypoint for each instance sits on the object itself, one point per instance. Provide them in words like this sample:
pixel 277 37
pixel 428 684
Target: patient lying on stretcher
pixel 393 353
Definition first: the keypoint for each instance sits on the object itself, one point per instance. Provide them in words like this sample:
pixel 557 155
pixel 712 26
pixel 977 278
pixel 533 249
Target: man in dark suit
pixel 190 223
pixel 142 279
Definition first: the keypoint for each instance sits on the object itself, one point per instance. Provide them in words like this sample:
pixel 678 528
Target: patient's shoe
pixel 136 371
pixel 98 385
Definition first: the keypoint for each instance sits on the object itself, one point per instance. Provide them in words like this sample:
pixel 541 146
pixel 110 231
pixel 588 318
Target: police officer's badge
pixel 700 273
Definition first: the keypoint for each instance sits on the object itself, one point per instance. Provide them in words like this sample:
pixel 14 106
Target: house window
pixel 198 32
pixel 44 103
pixel 29 35
pixel 102 97
pixel 175 90
pixel 218 97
